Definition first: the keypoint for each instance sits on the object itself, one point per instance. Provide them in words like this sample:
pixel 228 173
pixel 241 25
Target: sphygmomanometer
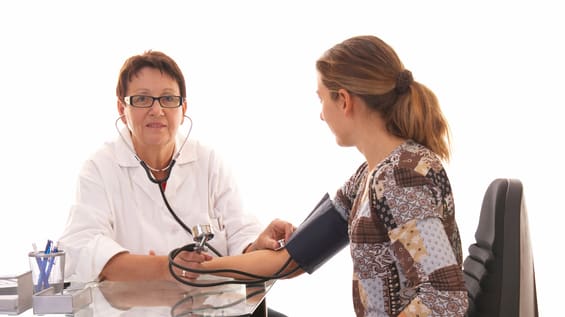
pixel 317 239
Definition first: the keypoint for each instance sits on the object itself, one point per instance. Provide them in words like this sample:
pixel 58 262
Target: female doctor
pixel 138 196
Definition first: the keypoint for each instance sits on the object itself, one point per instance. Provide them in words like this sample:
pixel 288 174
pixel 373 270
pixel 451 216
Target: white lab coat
pixel 119 209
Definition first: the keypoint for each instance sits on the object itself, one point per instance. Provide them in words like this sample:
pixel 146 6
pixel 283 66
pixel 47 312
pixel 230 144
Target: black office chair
pixel 499 270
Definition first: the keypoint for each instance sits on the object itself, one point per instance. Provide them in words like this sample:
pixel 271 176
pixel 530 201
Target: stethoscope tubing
pixel 255 279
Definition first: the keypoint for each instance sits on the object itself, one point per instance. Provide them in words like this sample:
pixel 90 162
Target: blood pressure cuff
pixel 320 236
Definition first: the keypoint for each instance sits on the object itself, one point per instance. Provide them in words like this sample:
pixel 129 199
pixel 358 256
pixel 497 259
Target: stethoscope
pixel 202 237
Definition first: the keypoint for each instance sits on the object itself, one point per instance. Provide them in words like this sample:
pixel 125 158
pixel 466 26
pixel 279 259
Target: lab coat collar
pixel 126 156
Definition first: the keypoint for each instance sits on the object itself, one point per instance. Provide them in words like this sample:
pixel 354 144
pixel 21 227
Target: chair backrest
pixel 499 270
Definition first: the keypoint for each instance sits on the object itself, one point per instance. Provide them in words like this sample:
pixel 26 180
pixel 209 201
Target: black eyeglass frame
pixel 128 99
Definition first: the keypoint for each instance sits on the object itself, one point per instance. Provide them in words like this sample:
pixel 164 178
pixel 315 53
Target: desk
pixel 172 299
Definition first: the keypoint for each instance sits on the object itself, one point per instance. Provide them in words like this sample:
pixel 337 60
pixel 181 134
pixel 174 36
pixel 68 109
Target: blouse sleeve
pixel 345 196
pixel 411 207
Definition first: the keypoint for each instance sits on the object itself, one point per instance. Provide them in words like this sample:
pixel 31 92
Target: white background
pixel 497 68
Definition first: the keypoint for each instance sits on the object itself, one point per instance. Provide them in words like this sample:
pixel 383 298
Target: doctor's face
pixel 153 126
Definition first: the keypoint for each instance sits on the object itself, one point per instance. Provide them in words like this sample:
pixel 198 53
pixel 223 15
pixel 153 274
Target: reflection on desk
pixel 171 299
pixel 175 299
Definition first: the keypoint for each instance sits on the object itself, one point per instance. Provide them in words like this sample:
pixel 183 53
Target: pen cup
pixel 47 270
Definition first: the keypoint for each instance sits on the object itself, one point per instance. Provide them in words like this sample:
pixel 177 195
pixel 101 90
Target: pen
pixel 40 266
pixel 48 246
pixel 50 265
pixel 39 261
pixel 42 262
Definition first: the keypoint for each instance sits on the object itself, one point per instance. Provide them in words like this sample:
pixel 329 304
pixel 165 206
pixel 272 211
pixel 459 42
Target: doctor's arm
pixel 88 239
pixel 131 267
pixel 125 266
pixel 269 238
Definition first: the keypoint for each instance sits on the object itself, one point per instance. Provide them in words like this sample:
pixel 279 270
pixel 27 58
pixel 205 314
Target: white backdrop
pixel 497 69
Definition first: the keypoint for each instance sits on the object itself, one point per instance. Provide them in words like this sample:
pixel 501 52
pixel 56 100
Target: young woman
pixel 403 237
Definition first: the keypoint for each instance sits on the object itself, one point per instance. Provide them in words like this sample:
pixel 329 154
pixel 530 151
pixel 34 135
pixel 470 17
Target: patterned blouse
pixel 405 243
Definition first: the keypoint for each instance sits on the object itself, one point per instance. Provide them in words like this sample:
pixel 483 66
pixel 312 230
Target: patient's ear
pixel 347 100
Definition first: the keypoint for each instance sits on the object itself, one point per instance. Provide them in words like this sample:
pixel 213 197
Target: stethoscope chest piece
pixel 202 234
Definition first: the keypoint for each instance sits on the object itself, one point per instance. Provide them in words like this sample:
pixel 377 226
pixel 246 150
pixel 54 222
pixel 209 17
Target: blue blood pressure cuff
pixel 319 237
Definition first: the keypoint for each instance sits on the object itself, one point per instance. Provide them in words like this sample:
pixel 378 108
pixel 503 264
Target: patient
pixel 403 237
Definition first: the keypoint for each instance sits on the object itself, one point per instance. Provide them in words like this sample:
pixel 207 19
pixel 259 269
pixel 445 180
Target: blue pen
pixel 39 261
pixel 43 278
pixel 50 266
pixel 47 264
pixel 48 246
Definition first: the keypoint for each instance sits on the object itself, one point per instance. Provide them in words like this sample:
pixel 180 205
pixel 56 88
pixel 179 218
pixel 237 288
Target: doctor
pixel 120 226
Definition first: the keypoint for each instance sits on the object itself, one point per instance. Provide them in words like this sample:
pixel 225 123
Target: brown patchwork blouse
pixel 405 244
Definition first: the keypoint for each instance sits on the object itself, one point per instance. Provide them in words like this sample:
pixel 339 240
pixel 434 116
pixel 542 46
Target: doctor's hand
pixel 269 238
pixel 189 259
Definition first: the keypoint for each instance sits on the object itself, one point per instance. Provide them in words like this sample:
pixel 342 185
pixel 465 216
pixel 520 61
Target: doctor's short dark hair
pixel 153 59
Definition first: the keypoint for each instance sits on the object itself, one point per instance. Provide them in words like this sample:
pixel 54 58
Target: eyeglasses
pixel 141 101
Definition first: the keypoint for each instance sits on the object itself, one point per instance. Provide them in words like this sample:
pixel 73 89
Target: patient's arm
pixel 260 262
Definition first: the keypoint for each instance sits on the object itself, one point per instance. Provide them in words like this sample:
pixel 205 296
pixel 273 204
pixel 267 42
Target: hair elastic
pixel 403 82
